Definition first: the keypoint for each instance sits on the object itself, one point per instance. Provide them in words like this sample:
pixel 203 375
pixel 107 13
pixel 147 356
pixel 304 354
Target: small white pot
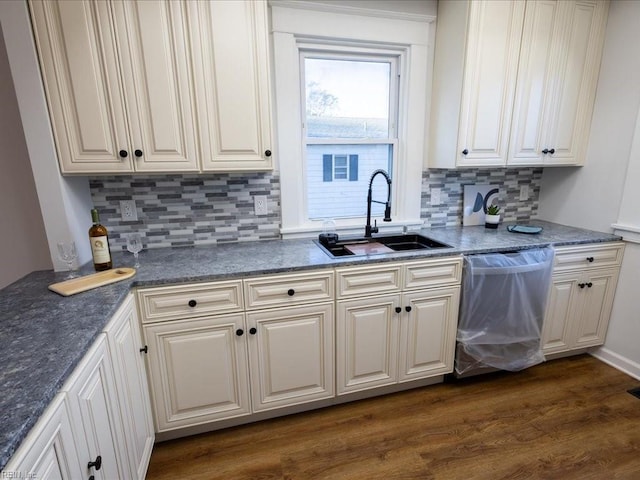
pixel 491 221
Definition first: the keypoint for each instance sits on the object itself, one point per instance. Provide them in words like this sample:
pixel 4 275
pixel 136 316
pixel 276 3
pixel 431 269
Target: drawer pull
pixel 239 332
pixel 398 309
pixel 144 349
pixel 253 330
pixel 192 303
pixel 97 464
pixel 590 259
pixel 291 292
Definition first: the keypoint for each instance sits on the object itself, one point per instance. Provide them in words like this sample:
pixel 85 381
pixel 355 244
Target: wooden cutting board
pixel 372 248
pixel 87 282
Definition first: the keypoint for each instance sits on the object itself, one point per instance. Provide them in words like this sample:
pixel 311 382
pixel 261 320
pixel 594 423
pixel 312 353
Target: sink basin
pixel 395 243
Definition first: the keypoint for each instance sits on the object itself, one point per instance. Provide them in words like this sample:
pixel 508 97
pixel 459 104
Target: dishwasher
pixel 504 297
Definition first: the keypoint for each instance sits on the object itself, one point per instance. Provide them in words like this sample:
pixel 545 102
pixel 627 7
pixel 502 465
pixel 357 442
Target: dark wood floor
pixel 565 419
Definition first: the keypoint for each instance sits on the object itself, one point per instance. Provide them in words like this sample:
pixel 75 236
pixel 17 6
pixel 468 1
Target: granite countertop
pixel 45 335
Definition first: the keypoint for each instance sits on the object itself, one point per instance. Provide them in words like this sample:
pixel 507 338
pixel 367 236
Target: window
pixel 348 98
pixel 351 95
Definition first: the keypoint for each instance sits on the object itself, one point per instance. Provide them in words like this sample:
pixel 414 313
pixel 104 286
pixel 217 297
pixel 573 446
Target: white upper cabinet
pixel 231 56
pixel 156 86
pixel 514 82
pixel 117 80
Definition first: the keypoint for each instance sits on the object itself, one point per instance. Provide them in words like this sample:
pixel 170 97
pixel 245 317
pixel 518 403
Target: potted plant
pixel 492 217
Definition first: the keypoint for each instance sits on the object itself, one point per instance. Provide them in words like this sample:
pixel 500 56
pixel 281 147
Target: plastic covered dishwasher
pixel 504 296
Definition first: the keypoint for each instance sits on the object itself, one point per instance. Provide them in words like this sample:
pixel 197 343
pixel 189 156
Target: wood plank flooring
pixel 565 419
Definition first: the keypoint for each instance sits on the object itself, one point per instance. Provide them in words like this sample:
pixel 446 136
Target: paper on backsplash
pixel 476 199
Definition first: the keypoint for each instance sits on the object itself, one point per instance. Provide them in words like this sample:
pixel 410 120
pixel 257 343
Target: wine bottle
pixel 98 236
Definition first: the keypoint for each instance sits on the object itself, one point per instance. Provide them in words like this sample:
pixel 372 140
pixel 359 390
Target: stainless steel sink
pixel 397 243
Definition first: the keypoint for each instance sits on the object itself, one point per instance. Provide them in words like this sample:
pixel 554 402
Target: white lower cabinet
pixel 205 367
pixel 49 451
pixel 198 370
pixel 581 297
pixel 396 337
pixel 99 425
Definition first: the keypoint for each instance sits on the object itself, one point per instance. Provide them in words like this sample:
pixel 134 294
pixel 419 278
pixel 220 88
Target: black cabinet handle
pixel 267 153
pixel 97 464
pixel 123 153
pixel 582 285
pixel 408 308
pixel 144 349
pixel 138 153
pixel 398 309
pixel 465 151
pixel 589 284
pixel 590 259
pixel 239 332
pixel 192 303
pixel 253 330
pixel 551 151
pixel 291 292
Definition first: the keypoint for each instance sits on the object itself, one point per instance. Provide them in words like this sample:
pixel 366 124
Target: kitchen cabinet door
pixel 367 342
pixel 125 345
pixel 198 370
pixel 49 451
pixel 291 355
pixel 230 44
pixel 95 415
pixel 428 332
pixel 557 77
pixel 118 81
pixel 561 309
pixel 153 41
pixel 81 73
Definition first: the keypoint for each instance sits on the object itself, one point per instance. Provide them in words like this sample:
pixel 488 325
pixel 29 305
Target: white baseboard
pixel 623 364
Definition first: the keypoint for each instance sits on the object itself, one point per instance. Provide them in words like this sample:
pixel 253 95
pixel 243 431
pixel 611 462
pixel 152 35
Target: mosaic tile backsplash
pixel 184 210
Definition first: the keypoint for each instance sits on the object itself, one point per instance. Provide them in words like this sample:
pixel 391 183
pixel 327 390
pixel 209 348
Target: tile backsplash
pixel 183 210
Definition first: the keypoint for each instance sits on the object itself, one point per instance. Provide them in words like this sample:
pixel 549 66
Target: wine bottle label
pixel 100 249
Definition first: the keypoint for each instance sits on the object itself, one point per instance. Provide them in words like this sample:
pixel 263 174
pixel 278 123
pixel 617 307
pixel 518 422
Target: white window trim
pixel 411 40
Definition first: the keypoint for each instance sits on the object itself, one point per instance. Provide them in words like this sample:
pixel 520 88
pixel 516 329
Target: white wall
pixel 590 197
pixel 65 202
pixel 23 242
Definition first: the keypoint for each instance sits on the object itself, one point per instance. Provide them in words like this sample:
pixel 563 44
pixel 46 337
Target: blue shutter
pixel 353 168
pixel 327 168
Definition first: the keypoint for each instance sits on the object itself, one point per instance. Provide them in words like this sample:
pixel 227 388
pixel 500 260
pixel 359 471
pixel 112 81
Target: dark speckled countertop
pixel 44 335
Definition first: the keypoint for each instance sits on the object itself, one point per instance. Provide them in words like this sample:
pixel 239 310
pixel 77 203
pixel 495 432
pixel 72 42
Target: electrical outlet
pixel 260 205
pixel 128 211
pixel 524 192
pixel 435 196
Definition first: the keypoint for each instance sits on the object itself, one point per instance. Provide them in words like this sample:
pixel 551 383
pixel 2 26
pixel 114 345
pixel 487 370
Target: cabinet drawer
pixel 192 300
pixel 433 273
pixel 592 255
pixel 290 289
pixel 379 278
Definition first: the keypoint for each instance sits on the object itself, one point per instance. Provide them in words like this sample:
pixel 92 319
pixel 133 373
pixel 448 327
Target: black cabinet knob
pixel 138 153
pixel 590 259
pixel 291 292
pixel 398 309
pixel 589 284
pixel 465 151
pixel 192 303
pixel 123 153
pixel 91 478
pixel 253 330
pixel 545 151
pixel 582 285
pixel 552 151
pixel 267 153
pixel 144 349
pixel 408 308
pixel 239 332
pixel 97 464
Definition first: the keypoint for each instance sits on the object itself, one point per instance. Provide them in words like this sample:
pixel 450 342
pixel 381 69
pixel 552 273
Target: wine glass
pixel 134 245
pixel 67 253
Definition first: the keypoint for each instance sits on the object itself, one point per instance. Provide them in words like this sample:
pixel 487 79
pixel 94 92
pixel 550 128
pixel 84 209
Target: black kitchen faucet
pixel 368 229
